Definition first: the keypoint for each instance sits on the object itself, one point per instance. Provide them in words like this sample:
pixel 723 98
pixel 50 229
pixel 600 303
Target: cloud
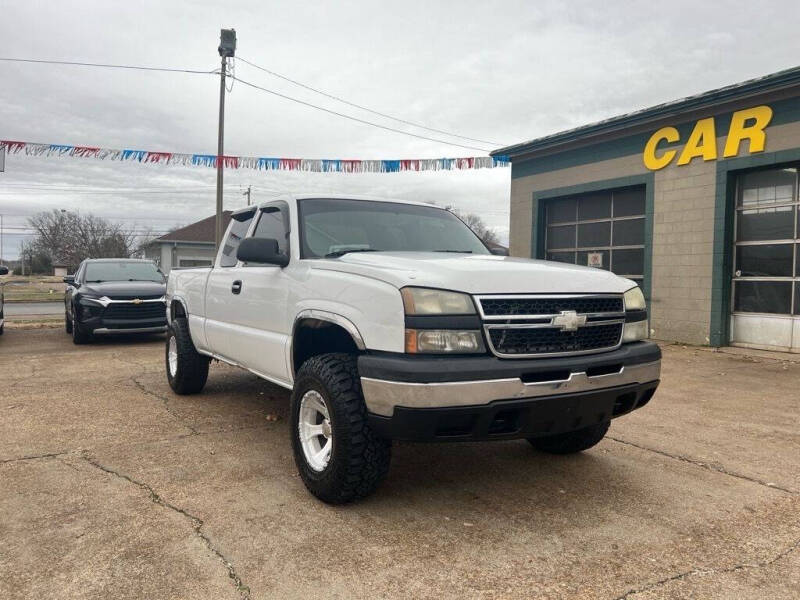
pixel 505 72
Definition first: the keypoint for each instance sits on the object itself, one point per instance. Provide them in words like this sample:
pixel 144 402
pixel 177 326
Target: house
pixel 60 270
pixel 190 246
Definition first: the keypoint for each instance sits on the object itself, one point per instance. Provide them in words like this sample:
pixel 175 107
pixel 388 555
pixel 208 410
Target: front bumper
pixel 486 398
pixel 100 320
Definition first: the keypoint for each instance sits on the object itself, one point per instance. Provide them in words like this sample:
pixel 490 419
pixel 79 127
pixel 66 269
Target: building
pixel 60 270
pixel 190 246
pixel 696 199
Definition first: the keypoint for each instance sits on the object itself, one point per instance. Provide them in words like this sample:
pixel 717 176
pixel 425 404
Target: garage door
pixel 766 277
pixel 601 229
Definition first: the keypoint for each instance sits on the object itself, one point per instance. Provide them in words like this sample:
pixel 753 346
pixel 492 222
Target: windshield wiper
pixel 456 251
pixel 339 253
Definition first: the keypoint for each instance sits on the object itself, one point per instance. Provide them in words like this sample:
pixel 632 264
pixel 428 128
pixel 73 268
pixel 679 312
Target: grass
pixel 33 288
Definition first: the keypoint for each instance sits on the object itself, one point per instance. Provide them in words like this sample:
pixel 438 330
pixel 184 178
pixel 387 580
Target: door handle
pixel 236 287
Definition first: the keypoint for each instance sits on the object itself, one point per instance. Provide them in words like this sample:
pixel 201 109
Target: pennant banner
pixel 258 163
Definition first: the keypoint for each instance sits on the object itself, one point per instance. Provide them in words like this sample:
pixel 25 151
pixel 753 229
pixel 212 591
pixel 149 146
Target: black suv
pixel 114 295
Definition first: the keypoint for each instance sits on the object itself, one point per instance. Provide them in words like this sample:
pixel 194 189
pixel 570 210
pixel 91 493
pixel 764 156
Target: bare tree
pixel 69 237
pixel 477 224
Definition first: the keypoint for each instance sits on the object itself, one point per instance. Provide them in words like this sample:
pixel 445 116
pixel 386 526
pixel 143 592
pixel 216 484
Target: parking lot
pixel 113 487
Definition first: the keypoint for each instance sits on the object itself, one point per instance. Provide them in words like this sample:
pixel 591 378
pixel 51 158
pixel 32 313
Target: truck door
pixel 222 318
pixel 262 300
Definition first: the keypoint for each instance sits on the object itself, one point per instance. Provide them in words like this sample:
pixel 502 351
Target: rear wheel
pixel 339 458
pixel 572 441
pixel 67 322
pixel 187 369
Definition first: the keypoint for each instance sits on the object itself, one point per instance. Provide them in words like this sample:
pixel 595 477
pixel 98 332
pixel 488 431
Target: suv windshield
pixel 333 227
pixel 122 271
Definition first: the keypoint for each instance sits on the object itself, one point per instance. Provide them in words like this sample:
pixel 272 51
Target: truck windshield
pixel 122 271
pixel 333 227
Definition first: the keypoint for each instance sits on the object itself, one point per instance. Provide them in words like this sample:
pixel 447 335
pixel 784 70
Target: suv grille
pixel 146 310
pixel 532 325
pixel 549 340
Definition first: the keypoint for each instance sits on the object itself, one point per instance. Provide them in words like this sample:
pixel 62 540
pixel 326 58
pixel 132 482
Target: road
pixel 24 309
pixel 112 486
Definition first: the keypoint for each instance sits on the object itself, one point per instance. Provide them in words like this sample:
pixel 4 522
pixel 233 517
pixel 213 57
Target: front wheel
pixel 79 335
pixel 572 441
pixel 339 458
pixel 187 369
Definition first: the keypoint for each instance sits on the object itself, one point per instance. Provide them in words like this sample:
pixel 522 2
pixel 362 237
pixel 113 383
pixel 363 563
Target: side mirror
pixel 261 250
pixel 499 251
pixel 3 270
pixel 69 279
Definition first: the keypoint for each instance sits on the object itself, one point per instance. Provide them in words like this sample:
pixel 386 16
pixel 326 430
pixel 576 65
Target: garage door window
pixel 766 275
pixel 601 229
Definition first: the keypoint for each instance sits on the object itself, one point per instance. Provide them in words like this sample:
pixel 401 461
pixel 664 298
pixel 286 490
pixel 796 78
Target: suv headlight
pixel 425 301
pixel 633 331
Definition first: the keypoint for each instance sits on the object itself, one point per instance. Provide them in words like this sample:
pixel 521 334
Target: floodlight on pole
pixel 226 49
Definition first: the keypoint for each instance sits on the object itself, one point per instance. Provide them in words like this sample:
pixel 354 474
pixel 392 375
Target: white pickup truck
pixel 392 320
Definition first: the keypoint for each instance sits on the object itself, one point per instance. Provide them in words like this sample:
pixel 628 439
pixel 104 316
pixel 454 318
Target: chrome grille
pixel 522 326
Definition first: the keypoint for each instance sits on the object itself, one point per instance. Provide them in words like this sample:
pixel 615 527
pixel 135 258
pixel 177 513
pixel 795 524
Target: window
pixel 766 276
pixel 602 229
pixel 272 225
pixel 331 226
pixel 240 223
pixel 129 270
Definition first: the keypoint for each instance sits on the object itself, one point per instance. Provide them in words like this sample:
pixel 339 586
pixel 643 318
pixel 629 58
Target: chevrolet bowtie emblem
pixel 568 320
pixel 139 301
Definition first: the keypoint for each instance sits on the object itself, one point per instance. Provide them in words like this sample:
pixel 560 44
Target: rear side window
pixel 239 226
pixel 272 225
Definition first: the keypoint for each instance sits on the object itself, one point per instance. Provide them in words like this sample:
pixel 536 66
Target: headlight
pixel 92 300
pixel 634 331
pixel 436 341
pixel 634 299
pixel 423 301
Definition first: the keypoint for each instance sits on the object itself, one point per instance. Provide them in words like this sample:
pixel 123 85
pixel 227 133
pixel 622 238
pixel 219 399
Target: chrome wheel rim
pixel 314 429
pixel 172 355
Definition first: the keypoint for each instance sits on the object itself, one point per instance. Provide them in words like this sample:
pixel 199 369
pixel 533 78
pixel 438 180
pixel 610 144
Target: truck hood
pixel 476 274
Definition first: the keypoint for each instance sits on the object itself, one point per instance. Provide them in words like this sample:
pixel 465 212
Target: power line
pixel 105 65
pixel 338 114
pixel 359 106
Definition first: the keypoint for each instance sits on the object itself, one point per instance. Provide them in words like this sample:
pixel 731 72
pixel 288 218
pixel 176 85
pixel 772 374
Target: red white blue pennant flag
pixel 259 163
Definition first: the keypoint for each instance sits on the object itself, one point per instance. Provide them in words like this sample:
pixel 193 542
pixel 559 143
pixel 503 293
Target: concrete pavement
pixel 114 487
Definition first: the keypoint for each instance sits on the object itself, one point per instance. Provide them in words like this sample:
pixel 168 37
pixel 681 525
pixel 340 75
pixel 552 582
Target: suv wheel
pixel 572 441
pixel 187 369
pixel 339 458
pixel 79 335
pixel 67 322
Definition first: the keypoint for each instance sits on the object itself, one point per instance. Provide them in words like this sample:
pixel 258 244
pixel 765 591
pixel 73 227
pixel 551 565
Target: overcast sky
pixel 502 71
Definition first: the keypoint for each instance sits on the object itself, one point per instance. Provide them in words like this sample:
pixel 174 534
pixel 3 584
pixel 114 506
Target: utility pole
pixel 247 193
pixel 227 48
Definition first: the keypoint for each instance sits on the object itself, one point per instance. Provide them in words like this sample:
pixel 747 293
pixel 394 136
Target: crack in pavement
pixel 165 401
pixel 33 457
pixel 704 465
pixel 740 567
pixel 142 443
pixel 197 522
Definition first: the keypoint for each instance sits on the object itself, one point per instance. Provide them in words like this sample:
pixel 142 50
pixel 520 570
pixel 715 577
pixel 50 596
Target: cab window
pixel 240 223
pixel 272 225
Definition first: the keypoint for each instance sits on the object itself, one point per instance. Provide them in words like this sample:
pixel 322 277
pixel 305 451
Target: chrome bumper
pixel 381 396
pixel 106 330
